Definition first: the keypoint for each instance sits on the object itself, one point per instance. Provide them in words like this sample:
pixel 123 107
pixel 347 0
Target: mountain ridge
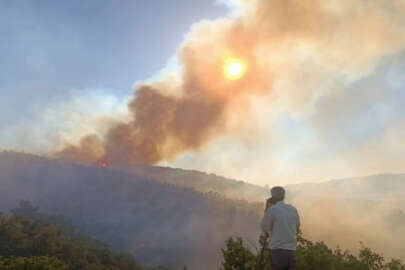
pixel 232 188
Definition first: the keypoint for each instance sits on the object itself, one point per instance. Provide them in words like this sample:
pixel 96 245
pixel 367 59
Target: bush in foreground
pixel 310 256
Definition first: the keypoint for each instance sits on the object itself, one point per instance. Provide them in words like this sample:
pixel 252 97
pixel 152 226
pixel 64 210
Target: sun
pixel 234 69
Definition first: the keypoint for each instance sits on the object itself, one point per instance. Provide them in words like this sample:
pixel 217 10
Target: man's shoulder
pixel 290 206
pixel 283 205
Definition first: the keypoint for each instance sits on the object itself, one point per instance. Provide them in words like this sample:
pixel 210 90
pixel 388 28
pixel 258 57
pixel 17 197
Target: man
pixel 281 221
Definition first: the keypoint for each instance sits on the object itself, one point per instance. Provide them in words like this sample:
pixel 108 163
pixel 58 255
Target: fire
pixel 234 69
pixel 102 164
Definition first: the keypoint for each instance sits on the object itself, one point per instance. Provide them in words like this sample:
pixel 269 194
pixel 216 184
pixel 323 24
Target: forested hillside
pixel 158 223
pixel 35 241
pixel 201 181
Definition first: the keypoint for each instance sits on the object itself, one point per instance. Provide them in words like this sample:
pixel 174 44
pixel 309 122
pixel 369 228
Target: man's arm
pixel 267 221
pixel 298 221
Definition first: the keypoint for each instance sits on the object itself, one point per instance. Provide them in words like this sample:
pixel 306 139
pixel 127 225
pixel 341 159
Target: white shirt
pixel 281 221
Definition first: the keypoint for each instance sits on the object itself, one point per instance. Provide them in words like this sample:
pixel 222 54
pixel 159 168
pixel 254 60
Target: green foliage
pixel 237 256
pixel 26 209
pixel 310 256
pixel 28 239
pixel 32 263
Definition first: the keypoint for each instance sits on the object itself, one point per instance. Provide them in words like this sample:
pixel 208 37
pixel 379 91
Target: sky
pixel 326 99
pixel 85 55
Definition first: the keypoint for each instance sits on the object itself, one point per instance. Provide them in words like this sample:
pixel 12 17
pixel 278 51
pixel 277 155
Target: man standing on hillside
pixel 281 221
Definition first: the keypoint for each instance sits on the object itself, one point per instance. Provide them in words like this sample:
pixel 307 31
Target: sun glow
pixel 234 69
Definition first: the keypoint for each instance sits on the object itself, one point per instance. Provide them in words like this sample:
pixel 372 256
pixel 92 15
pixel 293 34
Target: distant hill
pixel 345 212
pixel 373 187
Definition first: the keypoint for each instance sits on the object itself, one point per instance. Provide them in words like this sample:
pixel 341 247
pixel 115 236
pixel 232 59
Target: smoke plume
pixel 293 50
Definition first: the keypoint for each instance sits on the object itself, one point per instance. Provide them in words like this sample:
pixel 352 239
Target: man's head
pixel 278 193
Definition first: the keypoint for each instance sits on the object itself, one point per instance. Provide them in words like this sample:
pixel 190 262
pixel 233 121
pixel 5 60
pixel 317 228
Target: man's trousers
pixel 283 259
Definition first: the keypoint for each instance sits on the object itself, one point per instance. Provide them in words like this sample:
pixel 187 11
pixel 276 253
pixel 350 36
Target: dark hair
pixel 269 203
pixel 278 194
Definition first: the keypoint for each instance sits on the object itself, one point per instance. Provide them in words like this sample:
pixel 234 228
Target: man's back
pixel 282 222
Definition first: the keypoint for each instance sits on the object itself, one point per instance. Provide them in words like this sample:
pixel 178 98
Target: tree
pixel 237 256
pixel 25 209
pixel 29 242
pixel 32 263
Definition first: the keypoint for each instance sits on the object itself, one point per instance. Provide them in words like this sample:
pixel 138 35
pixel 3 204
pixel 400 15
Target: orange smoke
pixel 299 43
pixel 163 124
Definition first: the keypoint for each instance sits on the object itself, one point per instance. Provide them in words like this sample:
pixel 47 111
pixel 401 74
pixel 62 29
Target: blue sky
pixel 50 47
